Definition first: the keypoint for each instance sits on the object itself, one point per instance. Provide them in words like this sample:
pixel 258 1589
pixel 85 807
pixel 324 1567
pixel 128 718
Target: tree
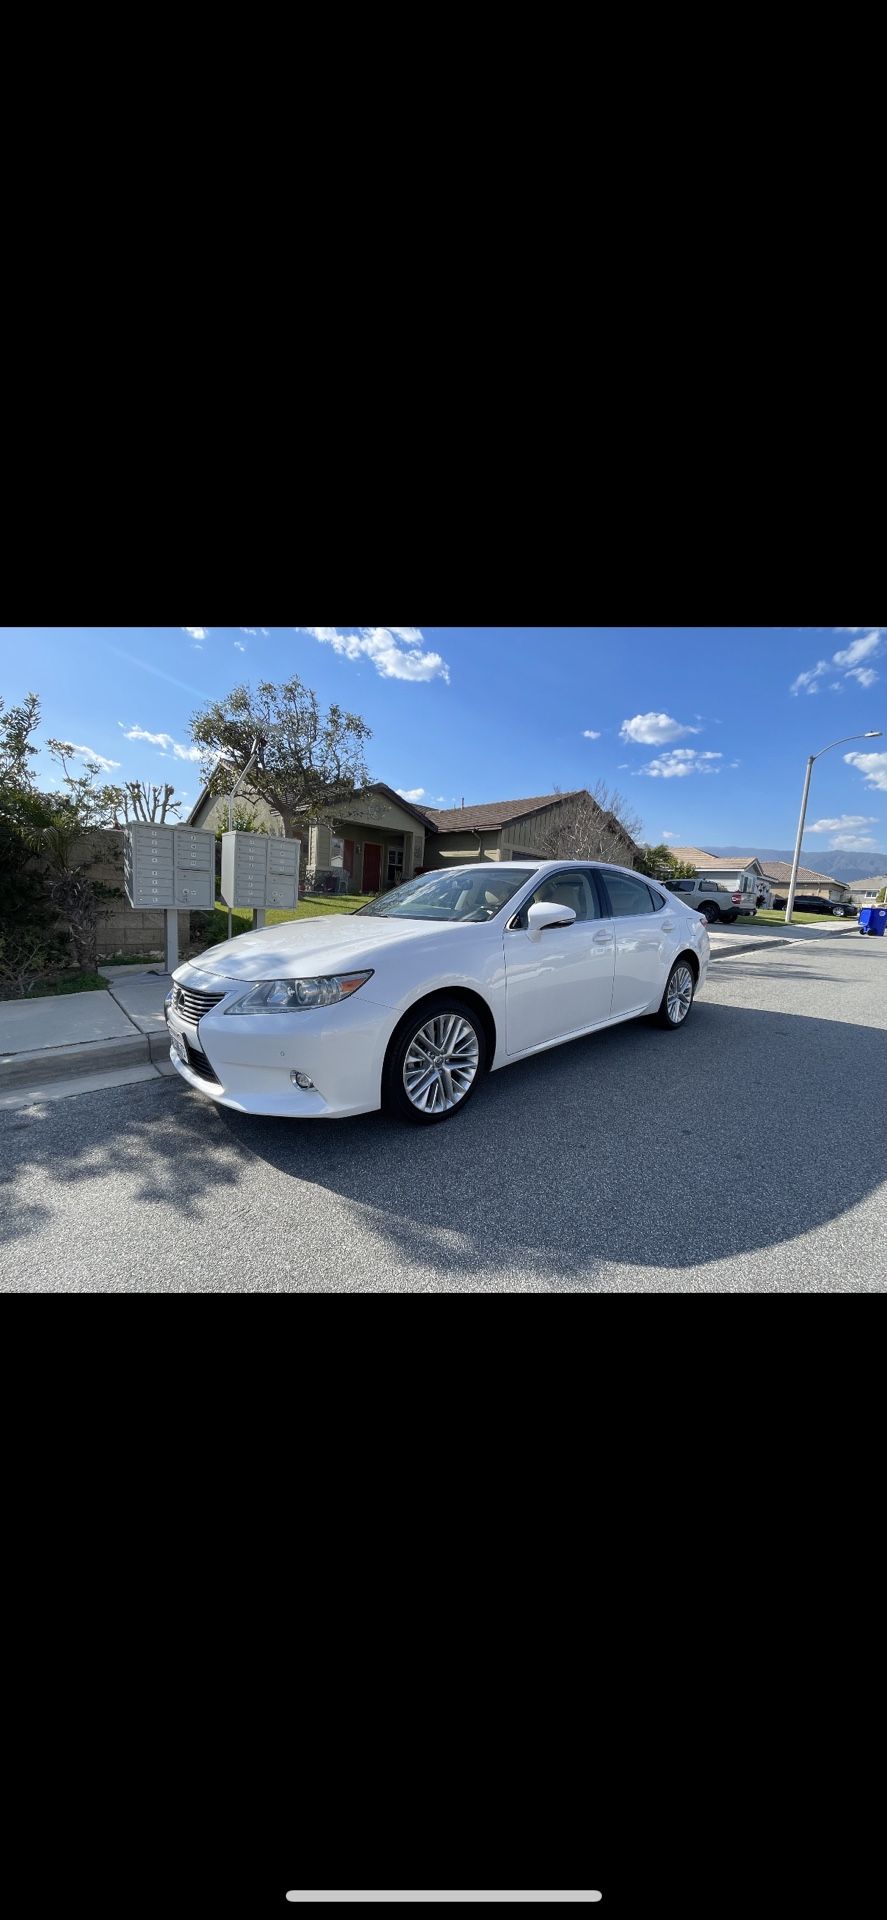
pixel 592 826
pixel 308 766
pixel 660 863
pixel 16 752
pixel 136 800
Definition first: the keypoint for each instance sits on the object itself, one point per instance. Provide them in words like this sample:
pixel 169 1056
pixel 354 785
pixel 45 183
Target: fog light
pixel 301 1080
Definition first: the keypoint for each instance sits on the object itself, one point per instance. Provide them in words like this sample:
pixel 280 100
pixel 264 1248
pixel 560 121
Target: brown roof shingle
pixel 780 870
pixel 495 813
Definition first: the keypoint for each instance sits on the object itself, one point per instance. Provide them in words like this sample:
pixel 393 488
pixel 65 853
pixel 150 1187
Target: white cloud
pixel 679 762
pixel 668 834
pixel 736 763
pixel 395 652
pixel 807 679
pixel 411 793
pixel 848 659
pixel 858 649
pixel 653 729
pixel 589 734
pixel 873 766
pixel 852 843
pixel 248 630
pixel 197 633
pixel 89 753
pixel 240 646
pixel 164 741
pixel 842 822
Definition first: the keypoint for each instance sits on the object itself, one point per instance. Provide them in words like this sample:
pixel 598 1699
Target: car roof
pixel 506 866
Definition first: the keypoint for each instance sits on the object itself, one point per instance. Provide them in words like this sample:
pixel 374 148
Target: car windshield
pixel 473 894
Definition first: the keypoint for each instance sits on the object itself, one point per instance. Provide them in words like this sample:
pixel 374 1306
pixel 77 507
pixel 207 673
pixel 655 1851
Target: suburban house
pixel 742 873
pixel 383 839
pixel 779 873
pixel 864 893
pixel 378 842
pixel 507 830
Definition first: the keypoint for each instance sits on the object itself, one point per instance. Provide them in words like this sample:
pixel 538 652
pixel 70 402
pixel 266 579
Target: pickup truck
pixel 712 898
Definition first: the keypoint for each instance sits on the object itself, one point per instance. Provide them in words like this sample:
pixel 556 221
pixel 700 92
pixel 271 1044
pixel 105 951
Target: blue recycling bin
pixel 873 919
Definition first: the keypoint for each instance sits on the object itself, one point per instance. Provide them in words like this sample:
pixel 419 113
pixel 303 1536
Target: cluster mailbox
pixel 169 866
pixel 259 870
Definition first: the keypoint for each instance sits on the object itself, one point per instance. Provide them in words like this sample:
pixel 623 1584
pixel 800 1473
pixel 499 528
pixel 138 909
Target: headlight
pixel 289 996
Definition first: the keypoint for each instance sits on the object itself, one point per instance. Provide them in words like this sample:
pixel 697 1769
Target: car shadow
pixel 635 1148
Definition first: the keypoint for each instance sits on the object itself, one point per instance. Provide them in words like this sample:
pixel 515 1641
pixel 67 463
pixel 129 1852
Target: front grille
pixel 200 1065
pixel 192 1004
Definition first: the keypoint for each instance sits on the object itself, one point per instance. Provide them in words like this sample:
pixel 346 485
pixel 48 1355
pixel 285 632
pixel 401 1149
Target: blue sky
pixel 704 729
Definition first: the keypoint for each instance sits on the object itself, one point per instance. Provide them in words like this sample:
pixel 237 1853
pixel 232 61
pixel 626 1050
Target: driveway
pixel 744 1154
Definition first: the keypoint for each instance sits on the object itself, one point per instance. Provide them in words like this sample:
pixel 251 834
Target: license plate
pixel 180 1047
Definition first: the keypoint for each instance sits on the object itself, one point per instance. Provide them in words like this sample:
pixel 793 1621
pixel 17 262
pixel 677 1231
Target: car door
pixel 645 929
pixel 559 981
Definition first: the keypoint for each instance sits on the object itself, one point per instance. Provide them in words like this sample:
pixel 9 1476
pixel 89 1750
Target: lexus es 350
pixel 407 1002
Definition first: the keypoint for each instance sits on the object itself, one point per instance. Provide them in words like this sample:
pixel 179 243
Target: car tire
pixel 711 912
pixel 675 995
pixel 429 1030
pixel 728 918
pixel 839 913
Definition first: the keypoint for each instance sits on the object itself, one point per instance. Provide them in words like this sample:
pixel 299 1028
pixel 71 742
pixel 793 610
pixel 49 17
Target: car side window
pixel 627 895
pixel 658 899
pixel 568 889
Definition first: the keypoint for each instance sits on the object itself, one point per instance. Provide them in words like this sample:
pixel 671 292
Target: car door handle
pixel 603 939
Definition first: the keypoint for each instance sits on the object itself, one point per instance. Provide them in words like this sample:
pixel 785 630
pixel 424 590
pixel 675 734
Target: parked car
pixel 406 1002
pixel 713 898
pixel 810 903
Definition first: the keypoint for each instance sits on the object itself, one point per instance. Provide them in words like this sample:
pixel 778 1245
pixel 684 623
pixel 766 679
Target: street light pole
pixel 874 734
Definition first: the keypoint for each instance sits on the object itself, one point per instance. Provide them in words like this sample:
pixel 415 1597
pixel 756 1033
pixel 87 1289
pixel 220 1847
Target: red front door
pixel 372 866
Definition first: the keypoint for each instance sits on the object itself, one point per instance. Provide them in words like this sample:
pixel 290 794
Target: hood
pixel 329 944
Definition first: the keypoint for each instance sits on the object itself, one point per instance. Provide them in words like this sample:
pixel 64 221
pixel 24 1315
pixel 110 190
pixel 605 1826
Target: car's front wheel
pixel 678 996
pixel 435 1061
pixel 711 912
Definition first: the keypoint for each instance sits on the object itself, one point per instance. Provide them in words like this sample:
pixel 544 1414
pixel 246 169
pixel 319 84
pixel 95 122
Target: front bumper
pixel 251 1056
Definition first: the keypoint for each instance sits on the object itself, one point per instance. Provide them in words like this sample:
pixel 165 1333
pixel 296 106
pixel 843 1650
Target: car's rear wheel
pixel 711 912
pixel 435 1061
pixel 678 996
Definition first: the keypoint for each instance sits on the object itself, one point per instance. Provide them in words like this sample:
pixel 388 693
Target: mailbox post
pixel 172 868
pixel 259 870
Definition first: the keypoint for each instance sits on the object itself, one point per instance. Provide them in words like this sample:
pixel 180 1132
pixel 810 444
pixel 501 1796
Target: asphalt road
pixel 746 1153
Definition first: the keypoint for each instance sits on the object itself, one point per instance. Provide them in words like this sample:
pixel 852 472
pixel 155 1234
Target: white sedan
pixel 406 1002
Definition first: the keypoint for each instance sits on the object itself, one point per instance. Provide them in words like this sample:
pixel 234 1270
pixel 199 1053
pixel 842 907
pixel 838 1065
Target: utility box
pixel 169 866
pixel 259 870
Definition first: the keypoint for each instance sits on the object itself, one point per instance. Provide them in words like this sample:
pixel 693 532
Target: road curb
pixel 65 1063
pixel 750 946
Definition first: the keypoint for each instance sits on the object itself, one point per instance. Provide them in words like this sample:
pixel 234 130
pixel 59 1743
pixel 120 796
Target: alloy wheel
pixel 441 1062
pixel 679 995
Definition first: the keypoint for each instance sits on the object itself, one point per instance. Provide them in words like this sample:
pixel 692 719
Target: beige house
pixel 377 843
pixel 382 839
pixel 864 893
pixel 779 873
pixel 500 830
pixel 743 871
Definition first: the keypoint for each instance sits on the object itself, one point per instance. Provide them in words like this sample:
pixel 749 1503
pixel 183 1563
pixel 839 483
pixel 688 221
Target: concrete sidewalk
pixel 73 1041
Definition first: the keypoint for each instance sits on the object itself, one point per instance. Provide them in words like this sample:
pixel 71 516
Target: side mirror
pixel 547 913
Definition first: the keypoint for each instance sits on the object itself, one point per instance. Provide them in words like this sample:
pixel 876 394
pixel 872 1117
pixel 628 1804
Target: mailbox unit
pixel 259 870
pixel 169 866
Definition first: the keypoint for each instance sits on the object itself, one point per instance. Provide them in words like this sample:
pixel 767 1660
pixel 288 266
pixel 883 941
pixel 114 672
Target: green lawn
pixel 773 918
pixel 81 983
pixel 309 908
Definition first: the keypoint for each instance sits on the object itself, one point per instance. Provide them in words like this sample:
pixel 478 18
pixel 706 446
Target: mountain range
pixel 840 866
